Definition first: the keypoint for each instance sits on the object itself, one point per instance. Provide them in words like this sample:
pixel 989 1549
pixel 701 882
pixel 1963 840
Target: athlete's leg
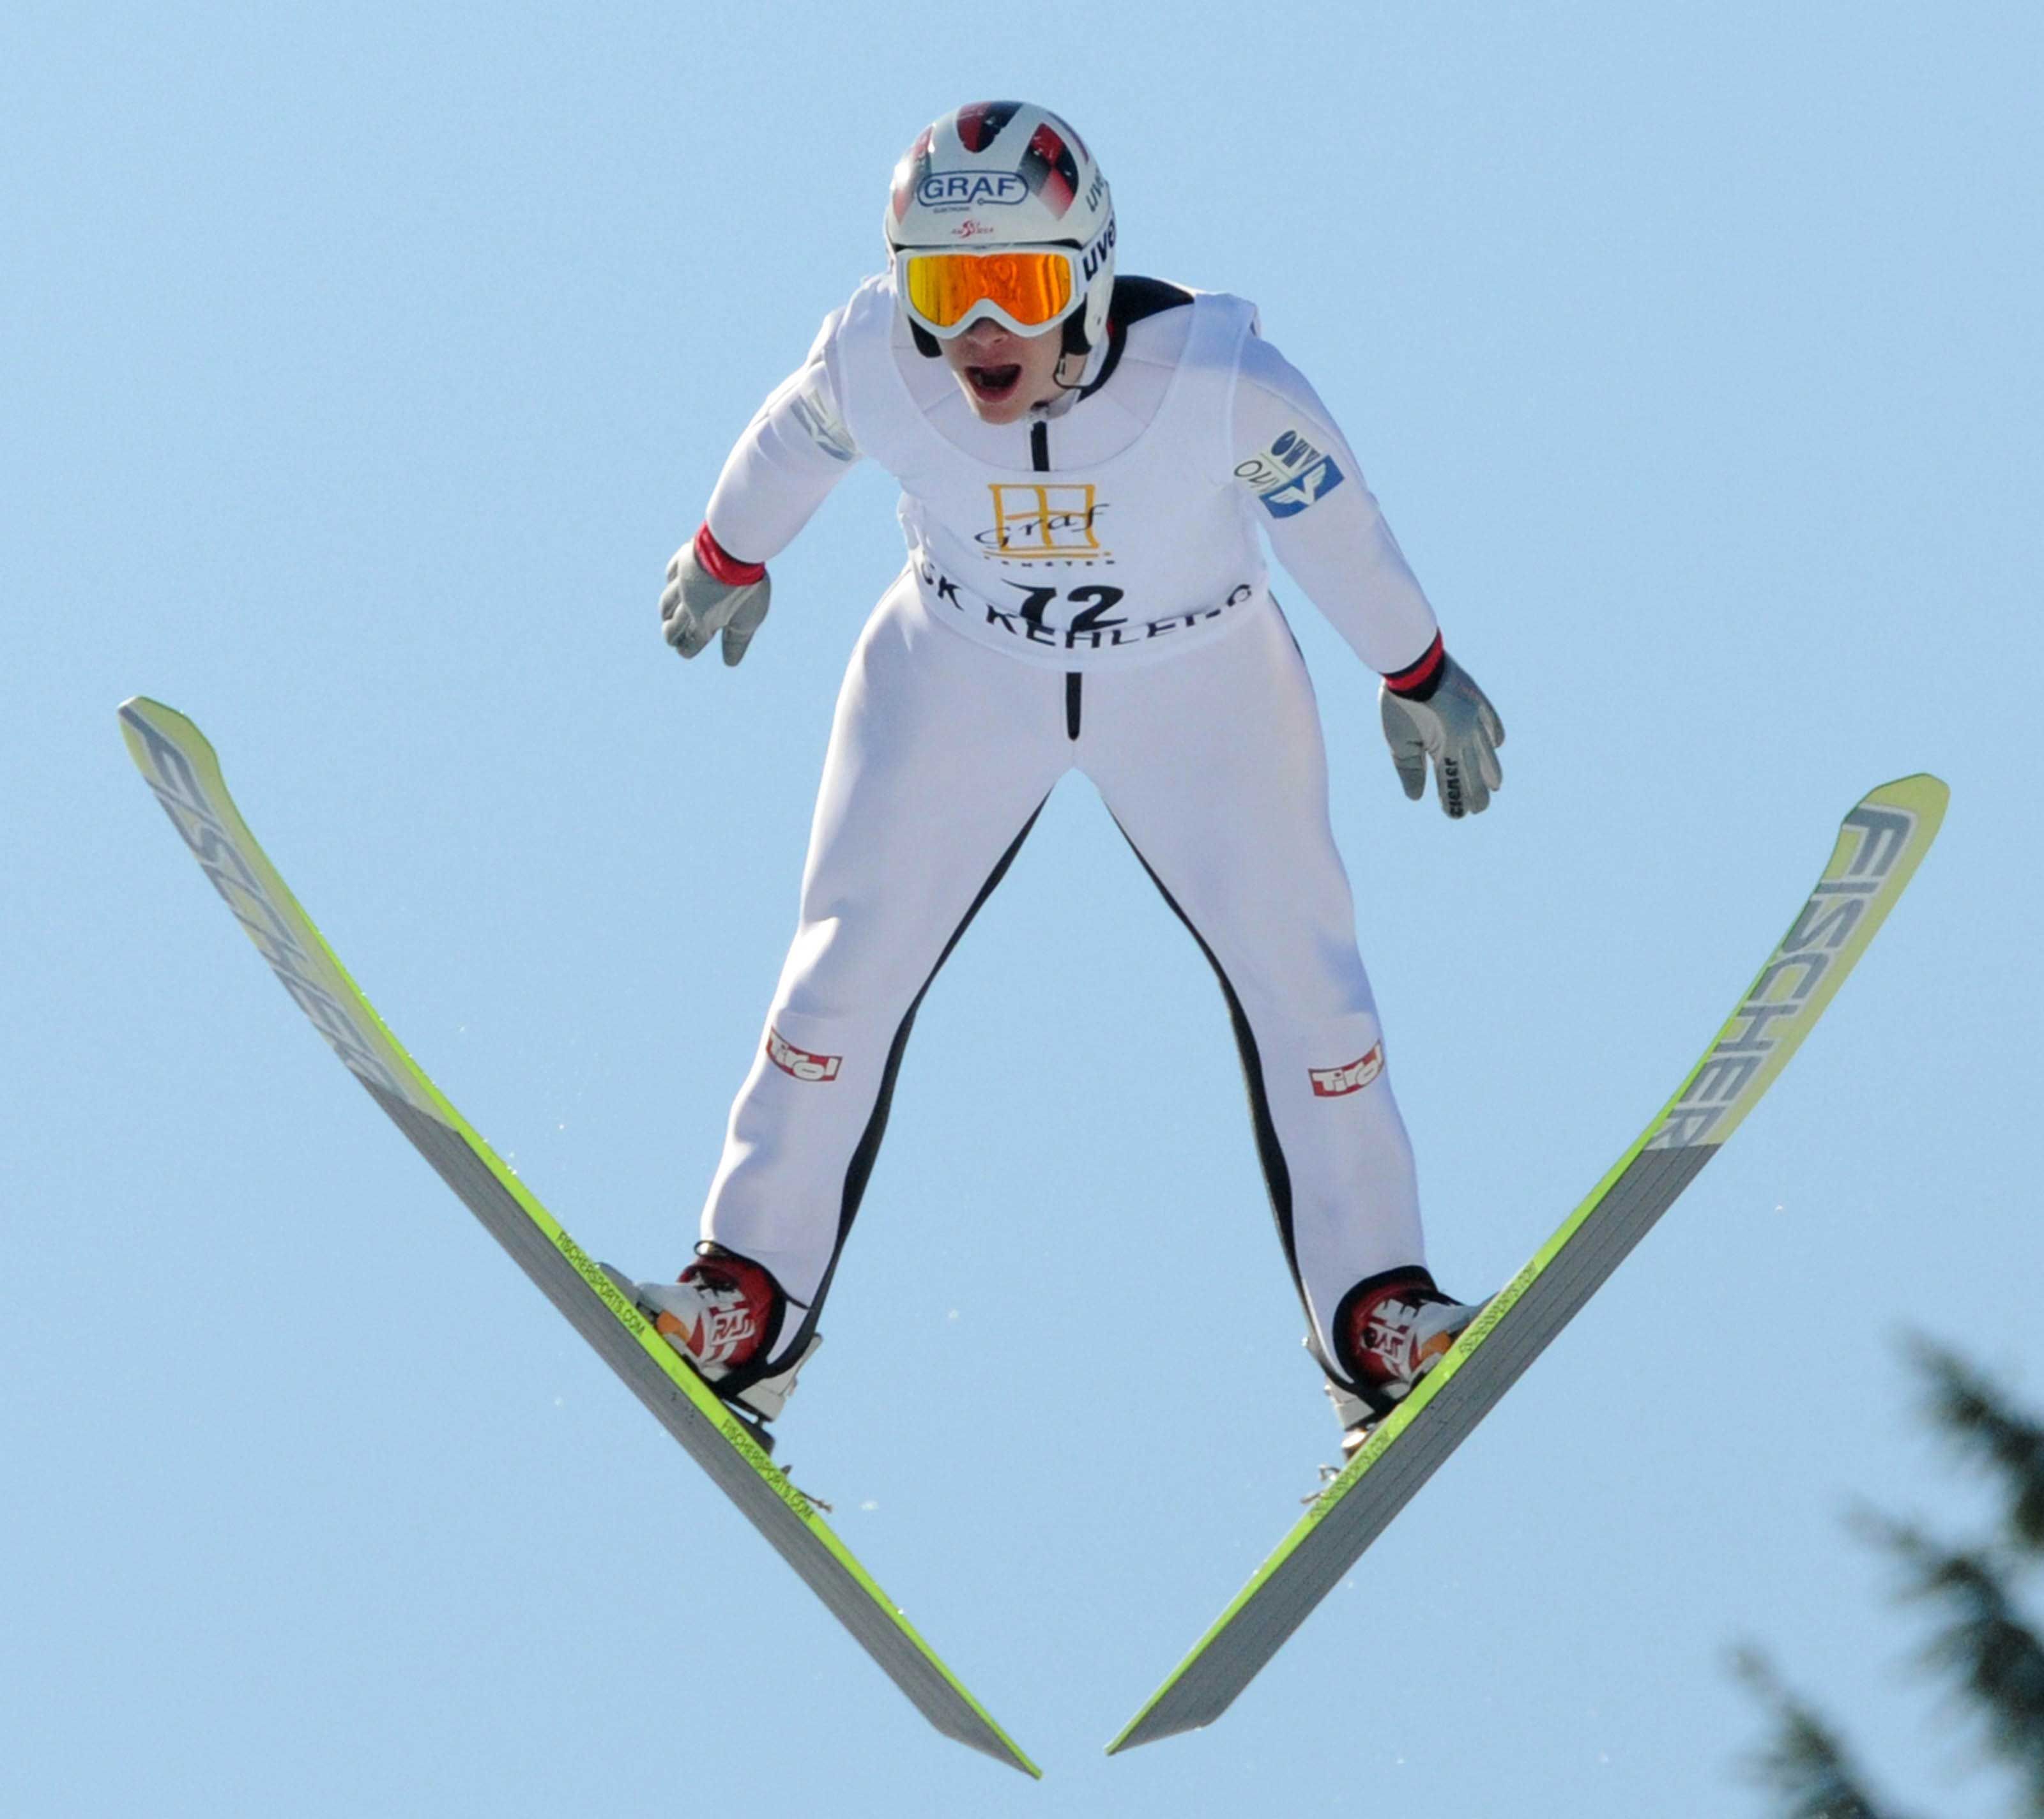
pixel 1214 766
pixel 940 754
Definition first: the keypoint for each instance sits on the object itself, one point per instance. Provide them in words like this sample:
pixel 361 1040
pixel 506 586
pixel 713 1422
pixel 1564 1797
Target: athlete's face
pixel 1003 373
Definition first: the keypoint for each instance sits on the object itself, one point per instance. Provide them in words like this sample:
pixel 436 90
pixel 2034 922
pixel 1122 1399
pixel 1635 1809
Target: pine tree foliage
pixel 1974 1412
pixel 1982 1644
pixel 1985 1646
pixel 1805 1762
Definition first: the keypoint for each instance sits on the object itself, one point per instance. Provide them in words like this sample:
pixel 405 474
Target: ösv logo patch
pixel 1289 475
pixel 1293 496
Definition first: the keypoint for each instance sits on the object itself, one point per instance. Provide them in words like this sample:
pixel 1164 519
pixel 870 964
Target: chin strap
pixel 1076 347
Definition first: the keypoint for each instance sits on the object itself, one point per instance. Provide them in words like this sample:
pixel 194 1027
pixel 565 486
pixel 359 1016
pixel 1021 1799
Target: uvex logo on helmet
pixel 1096 255
pixel 970 188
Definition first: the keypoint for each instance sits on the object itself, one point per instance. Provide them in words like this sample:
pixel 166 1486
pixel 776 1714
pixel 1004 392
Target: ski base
pixel 181 769
pixel 1879 847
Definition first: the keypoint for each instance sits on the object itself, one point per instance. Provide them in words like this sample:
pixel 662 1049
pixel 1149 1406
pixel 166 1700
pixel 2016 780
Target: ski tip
pixel 1920 795
pixel 144 714
pixel 1920 790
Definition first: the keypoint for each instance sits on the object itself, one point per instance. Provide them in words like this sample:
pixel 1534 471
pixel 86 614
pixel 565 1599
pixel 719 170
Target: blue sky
pixel 362 366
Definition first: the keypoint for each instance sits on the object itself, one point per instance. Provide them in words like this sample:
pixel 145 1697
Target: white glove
pixel 695 606
pixel 1458 727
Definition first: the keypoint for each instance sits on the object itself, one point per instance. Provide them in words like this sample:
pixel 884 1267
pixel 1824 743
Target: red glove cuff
pixel 1417 680
pixel 721 565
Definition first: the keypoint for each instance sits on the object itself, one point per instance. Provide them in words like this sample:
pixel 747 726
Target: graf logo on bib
pixel 1042 523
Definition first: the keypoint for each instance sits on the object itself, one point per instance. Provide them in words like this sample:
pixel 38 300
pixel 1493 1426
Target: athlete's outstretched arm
pixel 1324 526
pixel 792 453
pixel 1321 518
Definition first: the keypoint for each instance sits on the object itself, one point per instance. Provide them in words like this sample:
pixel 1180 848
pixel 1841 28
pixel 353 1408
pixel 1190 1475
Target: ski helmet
pixel 997 178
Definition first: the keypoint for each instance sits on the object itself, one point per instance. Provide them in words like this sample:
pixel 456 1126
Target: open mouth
pixel 994 383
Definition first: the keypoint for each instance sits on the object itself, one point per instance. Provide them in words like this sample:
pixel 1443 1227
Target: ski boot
pixel 1390 1331
pixel 720 1316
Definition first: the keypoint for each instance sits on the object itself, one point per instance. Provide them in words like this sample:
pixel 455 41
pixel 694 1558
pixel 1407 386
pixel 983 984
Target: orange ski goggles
pixel 1027 288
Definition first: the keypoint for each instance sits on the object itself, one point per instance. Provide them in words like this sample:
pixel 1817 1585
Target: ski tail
pixel 1879 847
pixel 183 770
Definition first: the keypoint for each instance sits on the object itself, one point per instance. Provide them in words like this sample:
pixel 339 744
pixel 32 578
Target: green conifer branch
pixel 1984 1643
pixel 1978 1417
pixel 1805 1761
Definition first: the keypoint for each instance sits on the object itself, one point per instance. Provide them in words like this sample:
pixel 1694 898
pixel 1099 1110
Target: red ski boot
pixel 719 1314
pixel 1390 1330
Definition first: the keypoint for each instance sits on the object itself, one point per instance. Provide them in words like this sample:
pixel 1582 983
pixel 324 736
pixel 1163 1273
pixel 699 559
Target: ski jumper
pixel 1085 590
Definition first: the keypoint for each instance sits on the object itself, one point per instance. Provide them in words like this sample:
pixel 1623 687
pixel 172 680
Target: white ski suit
pixel 1085 590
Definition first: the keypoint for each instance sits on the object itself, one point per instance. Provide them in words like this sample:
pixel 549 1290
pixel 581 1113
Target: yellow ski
pixel 181 768
pixel 1878 849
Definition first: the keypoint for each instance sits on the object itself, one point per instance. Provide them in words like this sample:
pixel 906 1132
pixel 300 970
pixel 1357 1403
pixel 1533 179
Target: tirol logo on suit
pixel 800 1062
pixel 1335 1083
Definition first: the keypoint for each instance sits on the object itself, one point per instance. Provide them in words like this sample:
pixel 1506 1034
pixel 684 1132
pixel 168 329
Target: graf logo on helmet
pixel 970 188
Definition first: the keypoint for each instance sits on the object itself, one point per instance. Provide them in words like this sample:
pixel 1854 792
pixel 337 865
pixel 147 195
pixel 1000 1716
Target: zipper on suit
pixel 1040 458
